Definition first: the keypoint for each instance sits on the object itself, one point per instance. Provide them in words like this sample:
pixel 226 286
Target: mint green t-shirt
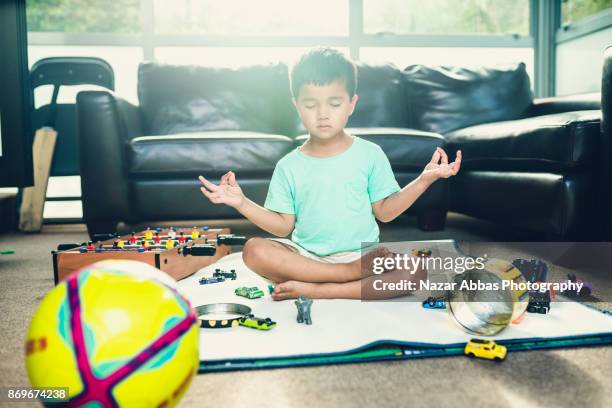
pixel 332 197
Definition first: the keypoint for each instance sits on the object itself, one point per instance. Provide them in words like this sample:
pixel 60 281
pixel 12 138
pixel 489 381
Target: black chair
pixel 66 71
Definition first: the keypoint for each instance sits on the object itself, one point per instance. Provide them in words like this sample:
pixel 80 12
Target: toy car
pixel 421 252
pixel 249 293
pixel 434 303
pixel 585 291
pixel 206 281
pixel 227 275
pixel 485 349
pixel 539 302
pixel 256 322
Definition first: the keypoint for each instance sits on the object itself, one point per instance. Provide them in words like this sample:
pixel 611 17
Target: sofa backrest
pixel 181 98
pixel 442 99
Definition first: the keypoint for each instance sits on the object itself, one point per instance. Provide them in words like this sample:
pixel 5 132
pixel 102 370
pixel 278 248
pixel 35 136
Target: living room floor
pixel 560 377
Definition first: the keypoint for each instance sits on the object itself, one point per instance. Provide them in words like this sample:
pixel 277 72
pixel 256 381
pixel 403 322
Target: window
pixel 451 16
pixel 75 16
pixel 229 56
pixel 249 17
pixel 575 10
pixel 124 61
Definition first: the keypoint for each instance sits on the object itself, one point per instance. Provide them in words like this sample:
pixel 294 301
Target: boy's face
pixel 325 109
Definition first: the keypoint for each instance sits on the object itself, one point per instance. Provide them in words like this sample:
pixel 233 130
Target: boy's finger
pixel 208 184
pixel 457 163
pixel 232 179
pixel 443 155
pixel 204 191
pixel 435 158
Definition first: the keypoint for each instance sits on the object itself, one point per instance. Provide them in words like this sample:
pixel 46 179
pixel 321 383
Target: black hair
pixel 322 66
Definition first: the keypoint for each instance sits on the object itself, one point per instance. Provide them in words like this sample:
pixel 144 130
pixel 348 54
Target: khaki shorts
pixel 338 257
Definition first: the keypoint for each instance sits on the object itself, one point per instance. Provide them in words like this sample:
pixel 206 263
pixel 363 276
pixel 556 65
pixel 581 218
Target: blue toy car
pixel 206 281
pixel 434 303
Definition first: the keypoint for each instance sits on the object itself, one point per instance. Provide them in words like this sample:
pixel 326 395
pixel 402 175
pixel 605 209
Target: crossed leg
pixel 298 275
pixel 279 263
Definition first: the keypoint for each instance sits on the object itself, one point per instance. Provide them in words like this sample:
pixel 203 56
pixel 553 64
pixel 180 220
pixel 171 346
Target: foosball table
pixel 179 252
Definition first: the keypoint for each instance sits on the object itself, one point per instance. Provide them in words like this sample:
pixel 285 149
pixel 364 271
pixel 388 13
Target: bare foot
pixel 367 264
pixel 294 289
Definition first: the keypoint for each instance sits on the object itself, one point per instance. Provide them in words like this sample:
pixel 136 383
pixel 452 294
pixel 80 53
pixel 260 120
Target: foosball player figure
pixel 172 233
pixel 195 234
pixel 90 246
pixel 145 244
pixel 181 238
pixel 120 243
pixel 303 306
pixel 157 238
pixel 100 247
pixel 133 238
pixel 169 243
pixel 148 235
pixel 116 244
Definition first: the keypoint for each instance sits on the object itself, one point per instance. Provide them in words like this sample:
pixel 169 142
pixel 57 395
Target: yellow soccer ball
pixel 116 333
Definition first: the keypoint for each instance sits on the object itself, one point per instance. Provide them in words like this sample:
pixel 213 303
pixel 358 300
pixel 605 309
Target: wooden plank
pixel 33 198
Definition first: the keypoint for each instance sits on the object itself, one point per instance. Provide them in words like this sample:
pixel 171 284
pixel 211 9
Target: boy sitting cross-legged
pixel 326 193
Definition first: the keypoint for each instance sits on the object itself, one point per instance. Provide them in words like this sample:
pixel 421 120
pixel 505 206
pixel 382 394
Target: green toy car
pixel 256 322
pixel 249 293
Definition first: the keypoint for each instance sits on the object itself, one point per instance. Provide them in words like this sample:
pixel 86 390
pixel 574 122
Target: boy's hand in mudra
pixel 439 167
pixel 228 191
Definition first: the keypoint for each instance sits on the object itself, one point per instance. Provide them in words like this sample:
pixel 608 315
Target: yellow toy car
pixel 485 349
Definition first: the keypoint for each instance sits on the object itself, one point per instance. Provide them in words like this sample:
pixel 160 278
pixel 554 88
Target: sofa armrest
pixel 130 116
pixel 102 132
pixel 560 104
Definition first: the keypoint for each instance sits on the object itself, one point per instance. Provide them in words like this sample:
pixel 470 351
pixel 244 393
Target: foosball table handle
pixel 231 239
pixel 199 250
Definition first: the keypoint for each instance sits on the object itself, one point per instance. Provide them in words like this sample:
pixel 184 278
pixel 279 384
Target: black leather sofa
pixel 606 151
pixel 525 162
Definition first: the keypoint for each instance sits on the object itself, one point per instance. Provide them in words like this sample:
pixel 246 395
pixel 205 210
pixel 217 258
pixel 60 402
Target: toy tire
pixel 497 359
pixel 471 355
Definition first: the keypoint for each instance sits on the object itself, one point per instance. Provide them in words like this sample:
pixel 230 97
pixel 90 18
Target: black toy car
pixel 227 275
pixel 539 302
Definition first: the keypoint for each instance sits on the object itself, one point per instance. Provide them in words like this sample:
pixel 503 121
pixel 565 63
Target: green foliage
pixel 447 16
pixel 574 10
pixel 80 16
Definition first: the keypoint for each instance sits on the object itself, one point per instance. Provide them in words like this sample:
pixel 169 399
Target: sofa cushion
pixel 442 99
pixel 179 99
pixel 207 153
pixel 546 143
pixel 407 149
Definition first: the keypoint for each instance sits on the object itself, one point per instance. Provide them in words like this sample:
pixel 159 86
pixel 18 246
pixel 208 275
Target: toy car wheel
pixel 261 322
pixel 497 359
pixel 431 302
pixel 542 310
pixel 584 292
pixel 471 355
